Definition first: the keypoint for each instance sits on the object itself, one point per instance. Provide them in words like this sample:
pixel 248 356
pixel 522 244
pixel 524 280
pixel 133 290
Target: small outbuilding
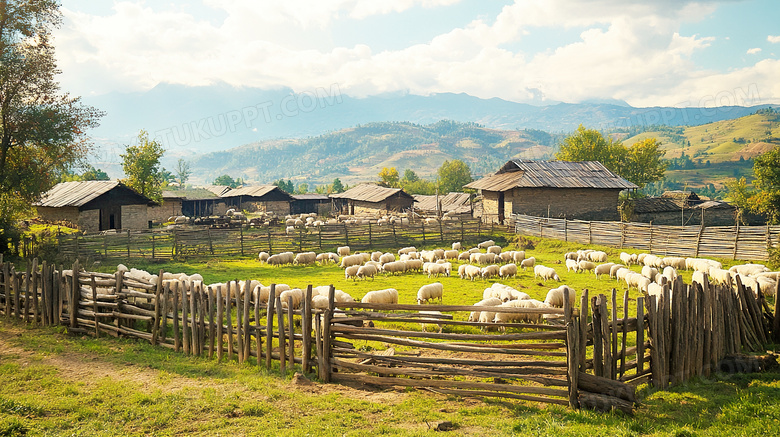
pixel 371 199
pixel 262 198
pixel 192 202
pixel 576 190
pixel 453 204
pixel 310 203
pixel 682 208
pixel 95 206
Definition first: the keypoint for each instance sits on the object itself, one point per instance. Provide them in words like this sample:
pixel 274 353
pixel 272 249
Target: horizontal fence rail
pixel 206 242
pixel 734 242
pixel 590 355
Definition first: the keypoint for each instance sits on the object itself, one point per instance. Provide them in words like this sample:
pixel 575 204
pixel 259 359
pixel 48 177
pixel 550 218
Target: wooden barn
pixel 453 204
pixel 680 208
pixel 574 190
pixel 193 202
pixel 262 198
pixel 371 199
pixel 308 203
pixel 95 206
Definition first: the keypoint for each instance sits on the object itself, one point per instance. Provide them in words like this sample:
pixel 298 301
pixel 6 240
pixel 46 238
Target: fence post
pixel 590 232
pixel 572 351
pixel 326 334
pixel 320 235
pixel 269 326
pixel 241 238
pixel 128 244
pixel 441 231
pixel 461 230
pixel 698 239
pixel 736 240
pixel 73 301
pixel 565 230
pixel 152 245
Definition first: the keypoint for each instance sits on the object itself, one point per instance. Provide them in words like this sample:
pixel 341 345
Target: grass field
pixel 57 384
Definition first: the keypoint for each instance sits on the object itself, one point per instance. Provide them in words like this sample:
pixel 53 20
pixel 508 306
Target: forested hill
pixel 358 154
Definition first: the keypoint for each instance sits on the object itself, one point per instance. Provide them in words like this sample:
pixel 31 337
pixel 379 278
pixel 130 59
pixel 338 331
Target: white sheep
pixel 571 265
pixel 434 269
pixel 263 256
pixel 351 272
pixel 464 256
pixel 545 273
pixel 649 272
pixel 343 250
pixel 528 262
pixel 720 276
pixel 305 258
pixel 554 296
pixel 327 257
pixel 613 270
pixel 626 258
pixel 394 267
pixel 297 295
pixel 584 266
pixel 456 246
pixel 489 271
pixel 487 302
pixel 451 254
pixel 518 317
pixel 603 269
pixel 494 249
pixel 508 270
pixel 670 273
pixel 375 255
pixel 472 272
pixel 673 261
pixel 386 296
pixel 597 256
pixel 485 244
pixel 351 260
pixel 518 256
pixel 429 292
pixel 386 258
pixel 407 250
pixel 413 265
pixel 748 269
pixel 289 230
pixel 367 271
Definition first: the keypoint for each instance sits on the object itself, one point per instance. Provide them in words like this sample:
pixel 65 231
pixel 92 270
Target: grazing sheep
pixel 386 258
pixel 281 259
pixel 451 254
pixel 622 272
pixel 571 265
pixel 429 292
pixel 584 266
pixel 597 256
pixel 472 272
pixel 263 256
pixel 613 270
pixel 297 295
pixel 649 272
pixel 670 273
pixel 494 249
pixel 507 293
pixel 487 302
pixel 407 250
pixel 289 230
pixel 626 258
pixel 518 256
pixel 527 263
pixel 367 271
pixel 439 253
pixel 638 281
pixel 375 255
pixel 491 292
pixel 748 269
pixel 508 270
pixel 394 267
pixel 431 320
pixel 462 271
pixel 305 258
pixel 720 276
pixel 489 271
pixel 351 272
pixel 457 246
pixel 555 296
pixel 673 261
pixel 570 255
pixel 386 296
pixel 351 260
pixel 603 269
pixel 343 250
pixel 327 257
pixel 413 264
pixel 518 317
pixel 545 273
pixel 435 269
pixel 464 256
pixel 486 244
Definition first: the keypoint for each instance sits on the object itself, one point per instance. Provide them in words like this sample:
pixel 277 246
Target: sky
pixel 646 53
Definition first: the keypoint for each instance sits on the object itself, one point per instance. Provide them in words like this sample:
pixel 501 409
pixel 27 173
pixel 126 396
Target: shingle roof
pixel 219 190
pixel 79 193
pixel 310 196
pixel 257 191
pixel 189 194
pixel 370 193
pixel 456 202
pixel 551 174
pixel 666 204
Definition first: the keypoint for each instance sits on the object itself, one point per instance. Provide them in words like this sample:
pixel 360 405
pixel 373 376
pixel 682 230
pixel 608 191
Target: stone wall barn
pixel 371 199
pixel 95 206
pixel 261 198
pixel 561 189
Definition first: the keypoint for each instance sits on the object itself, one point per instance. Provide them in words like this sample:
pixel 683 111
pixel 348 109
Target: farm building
pixel 683 208
pixel 308 203
pixel 371 199
pixel 95 206
pixel 196 202
pixel 451 203
pixel 574 190
pixel 262 198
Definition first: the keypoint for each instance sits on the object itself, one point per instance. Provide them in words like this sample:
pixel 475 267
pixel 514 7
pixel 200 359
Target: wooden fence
pixel 580 358
pixel 735 242
pixel 205 242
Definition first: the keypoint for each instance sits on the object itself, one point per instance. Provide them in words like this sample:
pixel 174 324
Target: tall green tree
pixel 183 171
pixel 453 175
pixel 42 130
pixel 641 163
pixel 389 177
pixel 766 200
pixel 337 187
pixel 227 181
pixel 141 164
pixel 409 177
pixel 94 174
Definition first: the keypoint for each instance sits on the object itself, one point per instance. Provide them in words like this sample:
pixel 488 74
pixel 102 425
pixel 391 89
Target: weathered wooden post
pixel 572 351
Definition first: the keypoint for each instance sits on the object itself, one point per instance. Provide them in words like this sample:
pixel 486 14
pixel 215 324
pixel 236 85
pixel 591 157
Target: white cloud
pixel 774 39
pixel 625 50
pixel 754 51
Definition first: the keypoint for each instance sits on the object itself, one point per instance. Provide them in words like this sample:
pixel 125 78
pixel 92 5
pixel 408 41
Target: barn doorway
pixel 501 207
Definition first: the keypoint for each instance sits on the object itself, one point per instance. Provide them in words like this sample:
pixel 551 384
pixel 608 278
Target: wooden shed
pixel 678 209
pixel 95 206
pixel 308 203
pixel 576 190
pixel 371 199
pixel 192 202
pixel 262 198
pixel 450 203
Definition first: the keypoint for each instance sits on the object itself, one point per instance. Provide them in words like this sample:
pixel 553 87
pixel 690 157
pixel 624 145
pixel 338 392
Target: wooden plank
pixel 640 333
pixel 583 341
pixel 598 339
pixel 269 327
pixel 306 331
pixel 605 337
pixel 280 324
pixel 614 313
pixel 157 313
pixel 220 323
pixel 291 330
pixel 625 334
pixel 185 329
pixel 231 288
pixel 239 322
pixel 326 333
pixel 247 332
pixel 257 329
pixel 572 351
pixel 212 327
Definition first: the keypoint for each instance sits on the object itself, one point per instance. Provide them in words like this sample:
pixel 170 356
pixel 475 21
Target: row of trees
pixel 450 177
pixel 763 197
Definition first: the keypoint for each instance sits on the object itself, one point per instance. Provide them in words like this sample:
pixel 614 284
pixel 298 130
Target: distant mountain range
pixel 192 121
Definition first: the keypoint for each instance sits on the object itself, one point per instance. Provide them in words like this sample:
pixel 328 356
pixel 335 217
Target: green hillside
pixel 358 154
